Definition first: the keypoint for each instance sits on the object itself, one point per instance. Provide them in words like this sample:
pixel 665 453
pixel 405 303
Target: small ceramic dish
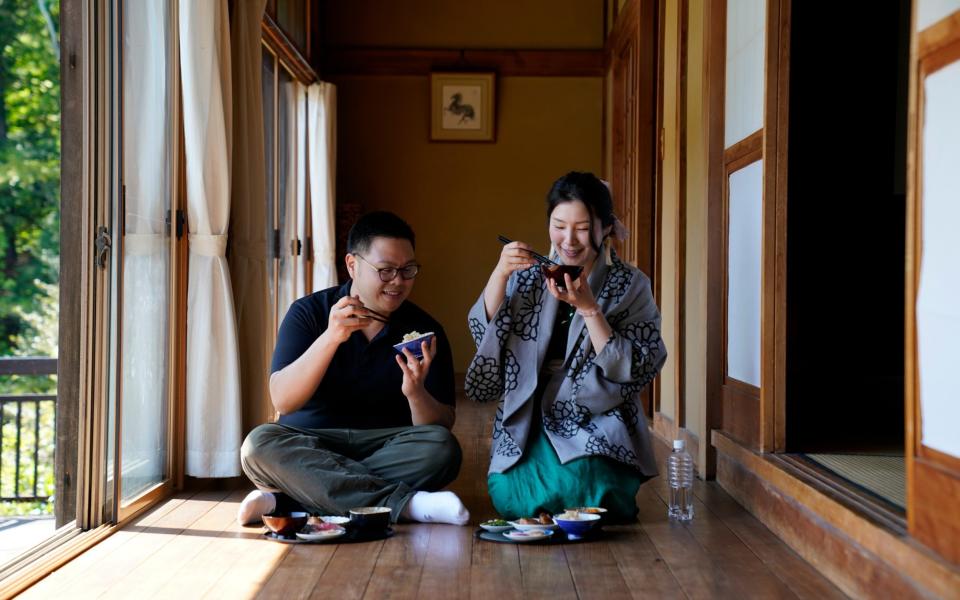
pixel 414 345
pixel 528 536
pixel 494 528
pixel 532 527
pixel 321 536
pixel 341 521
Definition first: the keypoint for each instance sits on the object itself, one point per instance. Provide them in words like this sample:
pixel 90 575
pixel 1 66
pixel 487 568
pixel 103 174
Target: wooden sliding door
pixel 746 117
pixel 932 344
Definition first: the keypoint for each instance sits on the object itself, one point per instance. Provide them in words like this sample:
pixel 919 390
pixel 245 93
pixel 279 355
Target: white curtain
pixel 322 141
pixel 213 382
pixel 146 246
pixel 251 212
pixel 287 188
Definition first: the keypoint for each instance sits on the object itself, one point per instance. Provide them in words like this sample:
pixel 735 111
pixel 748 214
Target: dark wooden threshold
pixel 423 61
pixel 867 505
pixel 864 552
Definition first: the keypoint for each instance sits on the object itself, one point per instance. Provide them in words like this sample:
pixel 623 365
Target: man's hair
pixel 377 224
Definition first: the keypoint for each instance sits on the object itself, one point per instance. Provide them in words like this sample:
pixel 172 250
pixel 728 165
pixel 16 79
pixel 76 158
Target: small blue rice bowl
pixel 576 529
pixel 414 345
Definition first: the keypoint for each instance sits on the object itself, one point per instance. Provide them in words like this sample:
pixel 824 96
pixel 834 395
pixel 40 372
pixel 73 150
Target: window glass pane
pixel 29 289
pixel 938 313
pixel 292 18
pixel 286 190
pixel 744 246
pixel 269 140
pixel 746 32
pixel 929 12
pixel 300 175
pixel 146 155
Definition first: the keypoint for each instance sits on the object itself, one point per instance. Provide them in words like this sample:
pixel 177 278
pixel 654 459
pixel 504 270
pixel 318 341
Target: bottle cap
pixel 679 444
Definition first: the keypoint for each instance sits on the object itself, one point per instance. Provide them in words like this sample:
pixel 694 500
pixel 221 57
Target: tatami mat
pixel 885 476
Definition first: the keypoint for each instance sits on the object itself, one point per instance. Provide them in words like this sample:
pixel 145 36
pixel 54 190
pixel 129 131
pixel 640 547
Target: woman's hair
pixel 589 189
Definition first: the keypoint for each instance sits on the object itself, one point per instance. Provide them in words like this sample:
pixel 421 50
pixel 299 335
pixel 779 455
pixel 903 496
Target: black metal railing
pixel 24 402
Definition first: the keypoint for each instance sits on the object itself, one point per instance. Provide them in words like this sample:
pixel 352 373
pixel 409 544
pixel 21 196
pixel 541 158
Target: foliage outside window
pixel 29 223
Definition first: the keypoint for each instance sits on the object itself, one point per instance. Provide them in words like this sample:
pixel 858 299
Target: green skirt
pixel 539 483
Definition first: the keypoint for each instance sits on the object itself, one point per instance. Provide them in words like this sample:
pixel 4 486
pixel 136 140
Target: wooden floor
pixel 191 547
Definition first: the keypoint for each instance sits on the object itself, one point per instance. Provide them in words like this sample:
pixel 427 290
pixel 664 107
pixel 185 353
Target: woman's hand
pixel 515 256
pixel 346 316
pixel 415 371
pixel 576 293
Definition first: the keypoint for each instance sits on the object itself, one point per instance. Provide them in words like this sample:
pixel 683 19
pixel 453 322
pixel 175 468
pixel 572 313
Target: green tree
pixel 29 229
pixel 29 164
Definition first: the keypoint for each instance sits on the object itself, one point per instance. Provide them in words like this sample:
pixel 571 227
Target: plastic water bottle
pixel 680 478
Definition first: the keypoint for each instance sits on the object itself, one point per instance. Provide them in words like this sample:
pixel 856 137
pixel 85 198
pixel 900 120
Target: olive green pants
pixel 330 471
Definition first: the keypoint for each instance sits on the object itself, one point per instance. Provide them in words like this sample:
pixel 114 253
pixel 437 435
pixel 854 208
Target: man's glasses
pixel 388 274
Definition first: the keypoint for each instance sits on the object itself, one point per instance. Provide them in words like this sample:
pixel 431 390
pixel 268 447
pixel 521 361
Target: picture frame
pixel 462 107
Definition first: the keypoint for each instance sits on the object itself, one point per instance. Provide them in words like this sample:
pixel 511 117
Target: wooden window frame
pixel 122 511
pixel 90 196
pixel 933 477
pixel 287 56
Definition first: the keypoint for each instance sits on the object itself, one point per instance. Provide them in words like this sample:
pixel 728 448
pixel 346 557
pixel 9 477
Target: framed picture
pixel 462 107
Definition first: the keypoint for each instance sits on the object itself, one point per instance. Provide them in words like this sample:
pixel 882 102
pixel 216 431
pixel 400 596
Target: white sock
pixel 436 507
pixel 254 506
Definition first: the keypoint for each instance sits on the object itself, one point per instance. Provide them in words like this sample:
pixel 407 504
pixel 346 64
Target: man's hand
pixel 415 371
pixel 346 316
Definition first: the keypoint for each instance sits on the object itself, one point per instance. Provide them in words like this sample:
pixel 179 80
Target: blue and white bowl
pixel 577 527
pixel 414 345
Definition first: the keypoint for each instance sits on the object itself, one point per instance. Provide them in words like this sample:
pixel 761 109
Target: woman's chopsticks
pixel 540 258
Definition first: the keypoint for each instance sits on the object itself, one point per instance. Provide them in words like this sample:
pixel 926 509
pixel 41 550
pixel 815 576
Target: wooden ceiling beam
pixel 422 61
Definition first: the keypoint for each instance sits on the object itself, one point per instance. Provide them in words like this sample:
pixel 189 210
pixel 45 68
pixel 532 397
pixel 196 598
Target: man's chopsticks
pixel 375 315
pixel 540 258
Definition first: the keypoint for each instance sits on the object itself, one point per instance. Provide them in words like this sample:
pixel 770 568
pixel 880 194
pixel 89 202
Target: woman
pixel 566 363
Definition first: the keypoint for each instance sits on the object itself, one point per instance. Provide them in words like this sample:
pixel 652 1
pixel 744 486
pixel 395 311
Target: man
pixel 360 425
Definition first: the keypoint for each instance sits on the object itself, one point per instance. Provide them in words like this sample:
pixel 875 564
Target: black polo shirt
pixel 361 388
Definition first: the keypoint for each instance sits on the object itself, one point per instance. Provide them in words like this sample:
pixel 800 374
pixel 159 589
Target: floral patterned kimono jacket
pixel 569 430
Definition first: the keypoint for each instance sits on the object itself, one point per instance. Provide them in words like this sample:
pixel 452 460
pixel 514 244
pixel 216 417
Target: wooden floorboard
pixel 783 562
pixel 495 571
pixel 644 571
pixel 744 568
pixel 545 572
pixel 399 567
pixel 190 546
pixel 236 565
pixel 595 571
pixel 695 570
pixel 185 547
pixel 446 568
